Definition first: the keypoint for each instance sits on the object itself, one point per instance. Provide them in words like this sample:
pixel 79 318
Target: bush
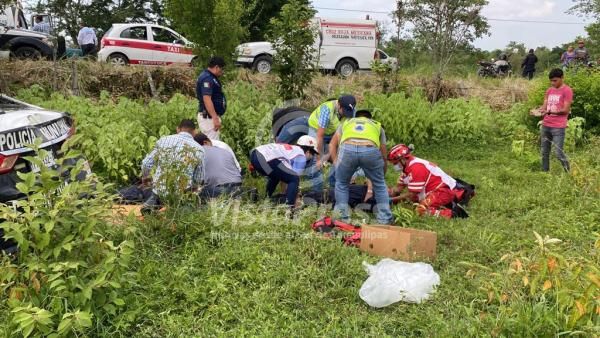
pixel 115 135
pixel 69 270
pixel 560 291
pixel 414 120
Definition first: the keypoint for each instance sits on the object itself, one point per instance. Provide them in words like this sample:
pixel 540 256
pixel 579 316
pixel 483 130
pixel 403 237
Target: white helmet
pixel 308 141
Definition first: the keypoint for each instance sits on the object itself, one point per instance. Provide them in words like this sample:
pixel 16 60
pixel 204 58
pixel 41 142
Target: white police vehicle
pixel 22 124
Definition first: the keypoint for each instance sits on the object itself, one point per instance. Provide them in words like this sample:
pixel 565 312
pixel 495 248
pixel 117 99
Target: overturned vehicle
pixel 22 125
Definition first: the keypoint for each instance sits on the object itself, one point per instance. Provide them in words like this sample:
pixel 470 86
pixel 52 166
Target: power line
pixel 489 19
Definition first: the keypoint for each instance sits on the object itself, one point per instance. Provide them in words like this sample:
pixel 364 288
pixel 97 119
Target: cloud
pixel 519 9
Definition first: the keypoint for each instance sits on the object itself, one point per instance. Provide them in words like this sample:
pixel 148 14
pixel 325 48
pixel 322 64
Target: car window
pixel 163 35
pixel 382 55
pixel 138 33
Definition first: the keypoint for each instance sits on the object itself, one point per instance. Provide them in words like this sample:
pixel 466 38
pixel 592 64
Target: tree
pixel 445 26
pixel 214 25
pixel 293 38
pixel 586 8
pixel 99 14
pixel 257 15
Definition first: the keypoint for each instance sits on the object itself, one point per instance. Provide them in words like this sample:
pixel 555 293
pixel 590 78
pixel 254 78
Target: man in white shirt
pixel 87 40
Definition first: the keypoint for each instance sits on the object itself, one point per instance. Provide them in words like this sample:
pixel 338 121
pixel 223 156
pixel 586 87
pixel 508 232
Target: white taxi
pixel 144 44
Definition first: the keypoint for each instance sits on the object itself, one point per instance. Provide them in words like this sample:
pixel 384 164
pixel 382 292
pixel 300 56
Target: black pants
pixel 528 73
pixel 277 172
pixel 89 49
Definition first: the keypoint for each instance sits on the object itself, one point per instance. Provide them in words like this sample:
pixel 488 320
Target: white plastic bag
pixel 392 281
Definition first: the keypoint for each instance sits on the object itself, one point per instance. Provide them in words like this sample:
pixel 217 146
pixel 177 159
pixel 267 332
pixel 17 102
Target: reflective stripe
pixel 334 121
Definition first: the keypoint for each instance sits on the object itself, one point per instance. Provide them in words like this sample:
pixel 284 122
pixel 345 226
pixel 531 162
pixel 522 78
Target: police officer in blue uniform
pixel 212 102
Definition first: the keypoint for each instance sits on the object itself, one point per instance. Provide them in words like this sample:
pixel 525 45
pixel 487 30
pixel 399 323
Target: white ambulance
pixel 343 46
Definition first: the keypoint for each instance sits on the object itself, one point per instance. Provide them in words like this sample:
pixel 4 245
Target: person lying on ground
pixel 175 164
pixel 284 163
pixel 221 174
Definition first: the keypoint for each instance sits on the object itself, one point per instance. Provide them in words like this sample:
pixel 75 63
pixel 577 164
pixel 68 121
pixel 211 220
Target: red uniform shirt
pixel 416 177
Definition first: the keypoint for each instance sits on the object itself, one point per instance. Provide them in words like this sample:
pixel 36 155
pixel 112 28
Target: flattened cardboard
pixel 404 244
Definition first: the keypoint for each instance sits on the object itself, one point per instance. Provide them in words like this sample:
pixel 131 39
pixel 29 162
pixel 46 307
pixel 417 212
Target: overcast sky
pixel 532 34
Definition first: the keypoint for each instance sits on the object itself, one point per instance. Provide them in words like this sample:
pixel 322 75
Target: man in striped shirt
pixel 176 164
pixel 427 184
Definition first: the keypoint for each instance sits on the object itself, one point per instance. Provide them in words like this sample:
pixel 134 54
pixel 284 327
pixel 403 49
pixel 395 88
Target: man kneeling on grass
pixel 284 163
pixel 175 164
pixel 427 184
pixel 222 175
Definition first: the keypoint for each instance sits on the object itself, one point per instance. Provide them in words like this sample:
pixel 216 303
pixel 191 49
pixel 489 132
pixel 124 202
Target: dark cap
pixel 364 113
pixel 216 61
pixel 347 105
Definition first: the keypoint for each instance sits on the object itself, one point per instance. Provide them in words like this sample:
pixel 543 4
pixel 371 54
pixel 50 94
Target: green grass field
pixel 230 269
pixel 202 273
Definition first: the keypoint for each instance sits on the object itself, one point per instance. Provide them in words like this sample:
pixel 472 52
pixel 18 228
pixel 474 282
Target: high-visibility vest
pixel 334 121
pixel 362 128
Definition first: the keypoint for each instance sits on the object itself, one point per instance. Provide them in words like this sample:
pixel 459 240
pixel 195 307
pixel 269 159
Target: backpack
pixel 135 194
pixel 468 192
pixel 330 228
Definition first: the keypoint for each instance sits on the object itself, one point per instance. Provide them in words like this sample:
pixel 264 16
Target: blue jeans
pixel 276 172
pixel 554 136
pixel 315 176
pixel 293 130
pixel 350 158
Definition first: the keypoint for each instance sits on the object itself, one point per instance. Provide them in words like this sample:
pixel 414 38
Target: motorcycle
pixel 491 69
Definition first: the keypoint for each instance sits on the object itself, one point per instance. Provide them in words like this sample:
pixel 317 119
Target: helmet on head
pixel 400 151
pixel 308 141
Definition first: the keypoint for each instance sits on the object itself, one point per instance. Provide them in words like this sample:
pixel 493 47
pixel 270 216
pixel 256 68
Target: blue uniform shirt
pixel 208 84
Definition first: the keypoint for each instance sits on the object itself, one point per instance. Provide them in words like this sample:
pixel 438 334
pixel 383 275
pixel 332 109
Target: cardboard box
pixel 121 211
pixel 394 242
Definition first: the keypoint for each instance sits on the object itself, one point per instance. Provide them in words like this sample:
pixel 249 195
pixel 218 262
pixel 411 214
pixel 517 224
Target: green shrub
pixel 69 271
pixel 414 120
pixel 542 291
pixel 116 135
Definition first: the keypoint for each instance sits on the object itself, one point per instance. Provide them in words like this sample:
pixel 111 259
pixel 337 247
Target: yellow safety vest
pixel 334 121
pixel 362 128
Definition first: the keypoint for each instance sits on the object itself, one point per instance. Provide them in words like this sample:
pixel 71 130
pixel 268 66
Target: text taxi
pixel 144 44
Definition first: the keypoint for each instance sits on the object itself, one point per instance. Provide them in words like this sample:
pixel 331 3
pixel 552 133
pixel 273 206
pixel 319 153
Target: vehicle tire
pixel 346 67
pixel 118 59
pixel 27 53
pixel 263 64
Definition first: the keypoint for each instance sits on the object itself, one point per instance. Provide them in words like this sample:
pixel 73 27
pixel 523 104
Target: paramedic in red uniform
pixel 426 183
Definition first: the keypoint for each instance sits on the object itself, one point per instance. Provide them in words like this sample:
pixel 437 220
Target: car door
pixel 169 47
pixel 133 42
